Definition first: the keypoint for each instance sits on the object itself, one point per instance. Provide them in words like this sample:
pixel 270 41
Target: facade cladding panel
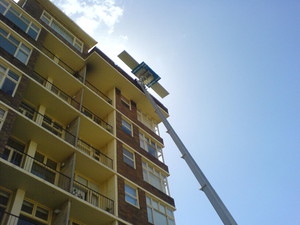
pixel 72 148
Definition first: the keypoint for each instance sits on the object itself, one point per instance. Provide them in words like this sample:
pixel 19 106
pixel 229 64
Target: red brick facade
pixel 127 211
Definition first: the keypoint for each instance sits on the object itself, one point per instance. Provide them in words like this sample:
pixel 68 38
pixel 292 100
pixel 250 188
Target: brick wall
pixel 133 141
pixel 136 174
pixel 6 130
pixel 14 101
pixel 132 114
pixel 130 213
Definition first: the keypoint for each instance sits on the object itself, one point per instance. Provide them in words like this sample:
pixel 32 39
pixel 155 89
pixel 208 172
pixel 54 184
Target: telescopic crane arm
pixel 206 187
pixel 146 76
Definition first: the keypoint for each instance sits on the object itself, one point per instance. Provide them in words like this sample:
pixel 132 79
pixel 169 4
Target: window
pixel 27 110
pixel 3 113
pixel 86 190
pixel 53 126
pixel 131 195
pixel 34 213
pixel 151 147
pixel 125 101
pixel 14 47
pixel 9 80
pixel 49 20
pixel 13 152
pixel 148 122
pixel 44 167
pixel 128 157
pixel 126 127
pixel 4 198
pixel 156 178
pixel 158 213
pixel 75 222
pixel 60 93
pixel 19 19
pixel 89 150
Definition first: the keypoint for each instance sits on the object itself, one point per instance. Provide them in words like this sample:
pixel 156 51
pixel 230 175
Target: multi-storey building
pixel 79 142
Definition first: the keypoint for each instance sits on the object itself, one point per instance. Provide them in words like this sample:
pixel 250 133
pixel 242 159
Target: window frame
pixel 127 127
pixel 126 102
pixel 14 155
pixel 5 193
pixel 21 16
pixel 51 20
pixel 151 170
pixel 45 166
pixel 129 195
pixel 89 191
pixel 54 125
pixel 19 47
pixel 146 140
pixel 3 118
pixel 6 75
pixel 148 122
pixel 32 215
pixel 75 222
pixel 128 158
pixel 161 208
pixel 27 110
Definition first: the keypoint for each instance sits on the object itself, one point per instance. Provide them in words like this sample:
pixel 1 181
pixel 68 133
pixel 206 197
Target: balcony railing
pixel 97 91
pixel 57 178
pixel 68 137
pixel 60 62
pixel 93 197
pixel 54 89
pixel 96 119
pixel 94 153
pixel 75 74
pixel 64 96
pixel 54 128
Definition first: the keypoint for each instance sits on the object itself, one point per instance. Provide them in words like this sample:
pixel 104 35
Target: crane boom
pixel 146 76
pixel 206 187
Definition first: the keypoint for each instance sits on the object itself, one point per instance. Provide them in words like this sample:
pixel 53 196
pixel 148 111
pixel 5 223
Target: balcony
pixel 68 99
pixel 64 182
pixel 94 153
pixel 47 123
pixel 65 135
pixel 93 197
pixel 69 69
pixel 96 119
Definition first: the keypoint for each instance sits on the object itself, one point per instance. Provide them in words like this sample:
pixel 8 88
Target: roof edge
pixel 128 77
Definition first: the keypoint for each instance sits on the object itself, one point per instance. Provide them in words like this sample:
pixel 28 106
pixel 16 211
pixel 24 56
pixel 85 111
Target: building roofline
pixel 75 28
pixel 122 72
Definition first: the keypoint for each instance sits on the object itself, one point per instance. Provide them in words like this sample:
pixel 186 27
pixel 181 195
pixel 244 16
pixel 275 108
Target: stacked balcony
pixel 53 176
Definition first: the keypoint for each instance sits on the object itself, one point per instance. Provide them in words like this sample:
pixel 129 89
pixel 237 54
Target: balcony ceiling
pixel 63 52
pixel 105 77
pixel 67 22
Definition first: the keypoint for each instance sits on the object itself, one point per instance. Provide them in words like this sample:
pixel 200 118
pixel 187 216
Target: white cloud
pixel 124 37
pixel 92 14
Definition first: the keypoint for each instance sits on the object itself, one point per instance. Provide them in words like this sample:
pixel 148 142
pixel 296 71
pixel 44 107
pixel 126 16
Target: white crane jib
pixel 147 77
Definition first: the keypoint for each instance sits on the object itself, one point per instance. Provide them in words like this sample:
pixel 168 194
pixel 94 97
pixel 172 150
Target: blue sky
pixel 232 70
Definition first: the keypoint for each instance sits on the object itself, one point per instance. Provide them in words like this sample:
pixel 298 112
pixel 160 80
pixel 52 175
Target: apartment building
pixel 79 142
